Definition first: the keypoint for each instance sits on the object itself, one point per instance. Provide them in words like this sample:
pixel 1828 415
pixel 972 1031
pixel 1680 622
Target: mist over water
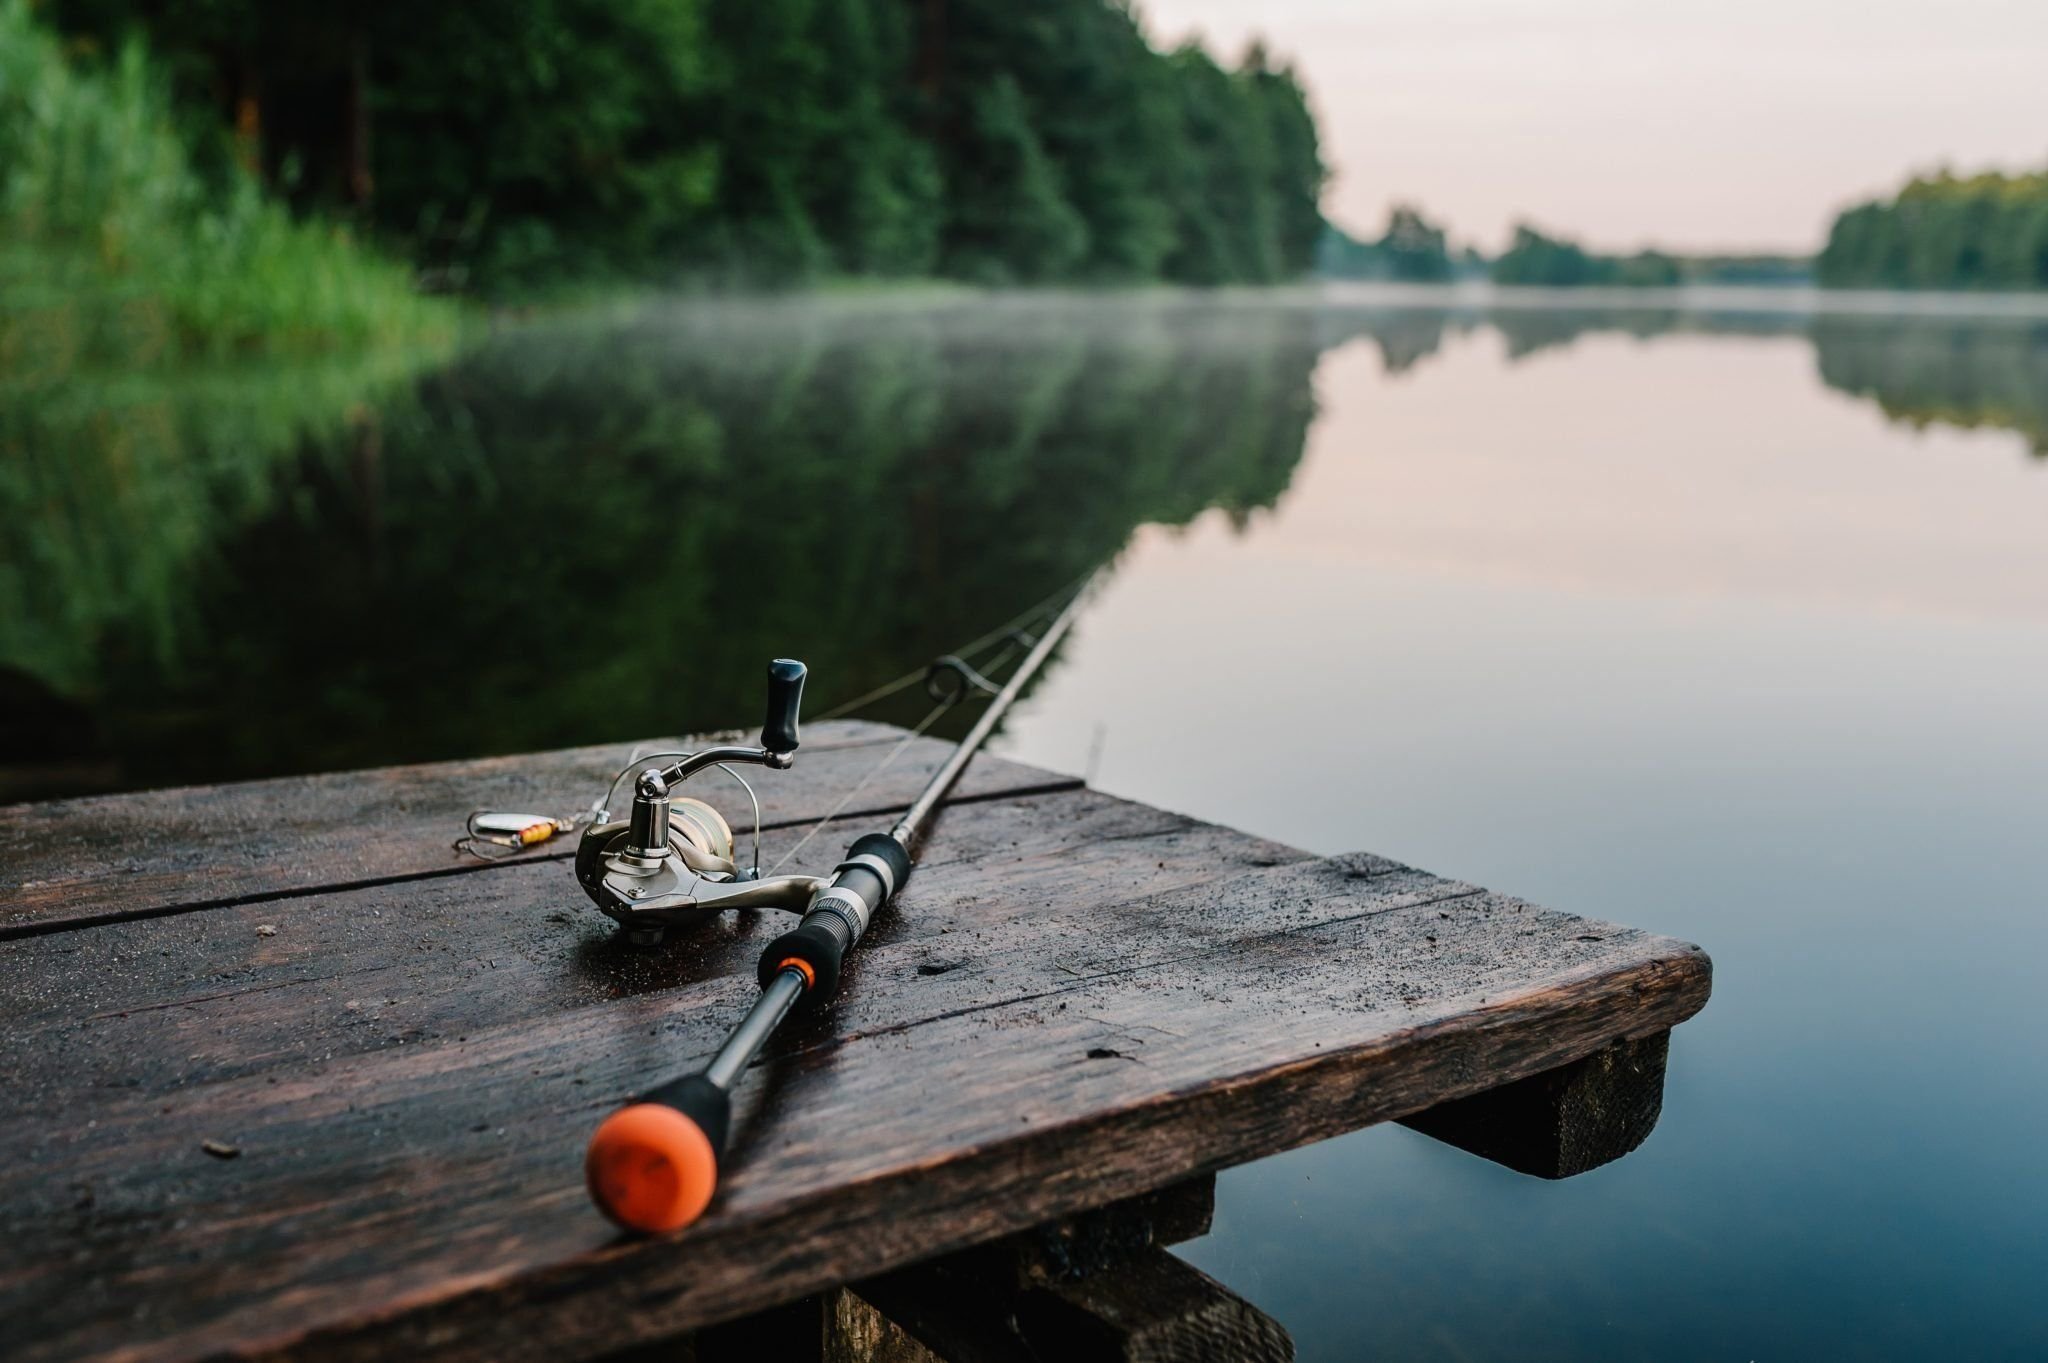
pixel 1721 618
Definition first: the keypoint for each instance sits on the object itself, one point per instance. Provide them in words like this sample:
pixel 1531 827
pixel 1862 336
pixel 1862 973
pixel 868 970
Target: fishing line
pixel 1008 633
pixel 895 752
pixel 493 836
pixel 1006 630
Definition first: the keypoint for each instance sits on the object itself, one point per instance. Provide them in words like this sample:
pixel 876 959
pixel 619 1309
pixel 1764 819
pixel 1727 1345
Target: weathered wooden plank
pixel 72 863
pixel 165 1003
pixel 425 1196
pixel 1565 1121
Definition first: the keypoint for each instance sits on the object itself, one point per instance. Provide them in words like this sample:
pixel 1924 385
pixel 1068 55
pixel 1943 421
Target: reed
pixel 114 248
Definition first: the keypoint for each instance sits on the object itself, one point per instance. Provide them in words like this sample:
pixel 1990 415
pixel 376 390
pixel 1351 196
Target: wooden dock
pixel 288 1079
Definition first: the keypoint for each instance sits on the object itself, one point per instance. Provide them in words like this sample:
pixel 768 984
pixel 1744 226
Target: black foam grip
pixel 817 945
pixel 785 696
pixel 888 849
pixel 703 1102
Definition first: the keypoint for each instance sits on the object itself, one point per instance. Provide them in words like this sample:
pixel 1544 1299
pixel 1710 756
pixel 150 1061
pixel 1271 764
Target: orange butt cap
pixel 650 1168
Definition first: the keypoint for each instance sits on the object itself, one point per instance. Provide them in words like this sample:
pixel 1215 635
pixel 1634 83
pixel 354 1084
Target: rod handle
pixel 875 868
pixel 785 695
pixel 652 1166
pixel 814 948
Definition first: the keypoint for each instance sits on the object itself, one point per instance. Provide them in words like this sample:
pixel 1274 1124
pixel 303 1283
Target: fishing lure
pixel 514 831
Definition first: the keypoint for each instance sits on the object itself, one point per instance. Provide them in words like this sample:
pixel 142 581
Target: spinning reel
pixel 671 862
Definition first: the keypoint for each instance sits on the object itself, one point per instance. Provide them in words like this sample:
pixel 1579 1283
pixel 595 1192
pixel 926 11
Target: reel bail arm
pixel 779 743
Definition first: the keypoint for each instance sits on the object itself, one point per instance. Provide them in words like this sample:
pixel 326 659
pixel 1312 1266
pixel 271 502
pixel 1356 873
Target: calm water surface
pixel 1667 630
pixel 1728 623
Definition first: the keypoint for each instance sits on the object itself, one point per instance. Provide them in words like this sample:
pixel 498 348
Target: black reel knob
pixel 785 696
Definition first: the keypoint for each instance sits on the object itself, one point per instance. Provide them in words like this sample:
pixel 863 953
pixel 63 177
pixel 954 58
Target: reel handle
pixel 785 695
pixel 652 1166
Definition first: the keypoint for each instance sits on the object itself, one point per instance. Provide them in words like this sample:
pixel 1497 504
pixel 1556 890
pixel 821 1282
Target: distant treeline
pixel 1414 249
pixel 1984 232
pixel 1535 258
pixel 1941 232
pixel 530 141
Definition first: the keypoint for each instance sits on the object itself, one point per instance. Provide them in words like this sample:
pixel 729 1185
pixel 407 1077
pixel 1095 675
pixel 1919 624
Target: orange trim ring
pixel 803 968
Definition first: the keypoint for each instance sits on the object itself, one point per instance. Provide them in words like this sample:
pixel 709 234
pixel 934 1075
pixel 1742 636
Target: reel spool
pixel 699 855
pixel 701 837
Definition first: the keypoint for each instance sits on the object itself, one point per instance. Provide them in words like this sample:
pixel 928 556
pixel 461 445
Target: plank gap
pixel 102 918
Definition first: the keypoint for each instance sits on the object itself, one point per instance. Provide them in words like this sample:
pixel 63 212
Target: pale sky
pixel 1739 124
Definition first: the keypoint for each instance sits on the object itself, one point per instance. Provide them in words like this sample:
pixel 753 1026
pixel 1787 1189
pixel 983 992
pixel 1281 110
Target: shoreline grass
pixel 114 249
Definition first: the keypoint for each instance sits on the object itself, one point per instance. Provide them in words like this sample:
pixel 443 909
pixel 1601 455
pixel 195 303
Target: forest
pixel 1944 232
pixel 531 144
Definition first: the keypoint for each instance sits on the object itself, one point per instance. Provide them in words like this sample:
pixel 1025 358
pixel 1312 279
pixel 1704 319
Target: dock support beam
pixel 1095 1288
pixel 1564 1121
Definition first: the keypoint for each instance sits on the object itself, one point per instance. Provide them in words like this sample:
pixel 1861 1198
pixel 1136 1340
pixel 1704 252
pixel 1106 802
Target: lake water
pixel 1714 616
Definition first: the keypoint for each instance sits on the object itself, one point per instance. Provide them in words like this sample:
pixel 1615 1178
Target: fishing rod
pixel 652 1166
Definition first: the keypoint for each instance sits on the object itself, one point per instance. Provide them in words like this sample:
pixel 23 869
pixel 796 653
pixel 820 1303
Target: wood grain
pixel 1030 1062
pixel 164 1004
pixel 855 1332
pixel 74 863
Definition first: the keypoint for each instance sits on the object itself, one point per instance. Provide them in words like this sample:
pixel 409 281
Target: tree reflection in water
pixel 597 529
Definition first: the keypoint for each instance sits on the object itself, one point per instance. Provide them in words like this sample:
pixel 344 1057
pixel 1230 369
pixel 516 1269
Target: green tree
pixel 1414 247
pixel 1228 230
pixel 1645 270
pixel 1411 249
pixel 1296 173
pixel 524 138
pixel 1544 261
pixel 760 139
pixel 1013 221
pixel 1944 232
